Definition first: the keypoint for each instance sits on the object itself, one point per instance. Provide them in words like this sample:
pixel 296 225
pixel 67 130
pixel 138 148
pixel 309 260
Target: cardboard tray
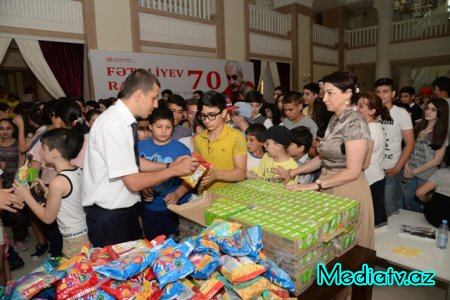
pixel 194 210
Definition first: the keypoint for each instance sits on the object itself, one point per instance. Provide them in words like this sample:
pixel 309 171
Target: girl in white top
pixel 59 146
pixel 370 106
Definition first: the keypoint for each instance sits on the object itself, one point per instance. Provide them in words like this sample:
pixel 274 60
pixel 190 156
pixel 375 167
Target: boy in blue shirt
pixel 162 148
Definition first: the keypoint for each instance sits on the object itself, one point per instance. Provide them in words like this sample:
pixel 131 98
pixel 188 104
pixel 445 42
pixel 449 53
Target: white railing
pixel 324 35
pixel 361 37
pixel 433 25
pixel 269 21
pixel 193 8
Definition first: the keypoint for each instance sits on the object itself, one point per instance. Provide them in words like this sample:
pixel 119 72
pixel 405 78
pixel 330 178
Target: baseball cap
pixel 279 134
pixel 244 109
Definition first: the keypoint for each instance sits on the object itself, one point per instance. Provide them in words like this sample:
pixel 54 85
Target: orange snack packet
pixel 195 177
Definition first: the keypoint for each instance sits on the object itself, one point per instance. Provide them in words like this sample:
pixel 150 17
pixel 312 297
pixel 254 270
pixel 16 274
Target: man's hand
pixel 185 166
pixel 209 177
pixel 10 201
pixel 392 172
pixel 282 173
pixel 147 194
pixel 302 187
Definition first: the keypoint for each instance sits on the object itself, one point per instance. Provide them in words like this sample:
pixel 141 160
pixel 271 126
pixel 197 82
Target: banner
pixel 181 74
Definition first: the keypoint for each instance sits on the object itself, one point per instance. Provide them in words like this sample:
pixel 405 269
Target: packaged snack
pixel 98 294
pixel 220 228
pixel 172 263
pixel 127 266
pixel 22 173
pixel 239 269
pixel 27 286
pixel 275 292
pixel 204 244
pixel 249 289
pixel 252 238
pixel 98 257
pixel 210 287
pixel 122 289
pixel 150 291
pixel 177 290
pixel 46 294
pixel 80 280
pixel 203 166
pixel 276 275
pixel 205 265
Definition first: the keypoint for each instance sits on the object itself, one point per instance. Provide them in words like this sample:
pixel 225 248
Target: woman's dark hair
pixel 48 111
pixel 92 113
pixel 212 99
pixel 69 112
pixel 92 103
pixel 65 140
pixel 276 114
pixel 374 102
pixel 321 115
pixel 161 113
pixel 440 128
pixel 29 112
pixel 343 81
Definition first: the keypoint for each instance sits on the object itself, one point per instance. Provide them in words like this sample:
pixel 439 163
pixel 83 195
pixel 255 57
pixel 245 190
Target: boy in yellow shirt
pixel 277 140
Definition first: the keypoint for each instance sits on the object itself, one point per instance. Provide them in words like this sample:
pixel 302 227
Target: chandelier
pixel 417 8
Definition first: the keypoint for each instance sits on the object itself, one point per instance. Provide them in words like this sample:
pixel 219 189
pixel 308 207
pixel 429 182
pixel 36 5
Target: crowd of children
pixel 248 138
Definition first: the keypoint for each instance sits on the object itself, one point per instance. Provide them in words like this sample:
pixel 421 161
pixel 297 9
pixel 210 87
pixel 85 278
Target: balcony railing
pixel 428 27
pixel 269 21
pixel 324 35
pixel 193 8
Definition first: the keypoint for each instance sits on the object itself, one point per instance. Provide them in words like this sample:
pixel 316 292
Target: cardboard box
pixel 194 210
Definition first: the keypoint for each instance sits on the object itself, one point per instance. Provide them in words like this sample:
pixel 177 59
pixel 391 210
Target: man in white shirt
pixel 112 181
pixel 398 130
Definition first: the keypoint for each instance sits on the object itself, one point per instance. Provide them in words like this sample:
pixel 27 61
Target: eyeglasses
pixel 234 77
pixel 210 116
pixel 432 109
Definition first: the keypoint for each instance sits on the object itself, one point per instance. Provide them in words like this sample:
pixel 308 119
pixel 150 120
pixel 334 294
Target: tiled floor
pixel 379 293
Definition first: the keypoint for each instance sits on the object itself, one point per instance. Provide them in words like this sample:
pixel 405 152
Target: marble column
pixel 385 9
pixel 404 76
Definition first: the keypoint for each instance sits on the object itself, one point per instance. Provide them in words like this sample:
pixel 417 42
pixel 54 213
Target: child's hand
pixel 22 191
pixel 171 198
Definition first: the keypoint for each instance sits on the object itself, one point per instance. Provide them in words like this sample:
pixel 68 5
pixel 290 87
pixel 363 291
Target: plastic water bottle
pixel 442 236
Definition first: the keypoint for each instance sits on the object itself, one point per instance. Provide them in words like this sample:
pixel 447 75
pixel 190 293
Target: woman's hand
pixel 302 187
pixel 10 201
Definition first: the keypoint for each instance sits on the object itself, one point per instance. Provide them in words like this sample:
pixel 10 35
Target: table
pixel 433 259
pixel 352 260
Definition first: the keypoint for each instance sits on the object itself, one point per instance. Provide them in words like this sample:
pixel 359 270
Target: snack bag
pixel 252 238
pixel 80 280
pixel 220 228
pixel 193 179
pixel 22 173
pixel 250 289
pixel 127 266
pixel 150 291
pixel 122 289
pixel 210 287
pixel 205 265
pixel 176 290
pixel 173 263
pixel 98 294
pixel 276 275
pixel 205 245
pixel 239 269
pixel 233 246
pixel 27 286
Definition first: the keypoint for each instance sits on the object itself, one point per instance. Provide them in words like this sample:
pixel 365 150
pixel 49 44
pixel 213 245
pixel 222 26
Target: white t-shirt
pixel 188 141
pixel 252 162
pixel 393 134
pixel 375 170
pixel 109 156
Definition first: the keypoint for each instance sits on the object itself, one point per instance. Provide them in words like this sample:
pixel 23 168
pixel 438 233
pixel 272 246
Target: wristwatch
pixel 319 185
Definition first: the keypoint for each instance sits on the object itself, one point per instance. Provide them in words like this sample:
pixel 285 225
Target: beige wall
pixel 366 78
pixel 322 70
pixel 304 50
pixel 234 29
pixel 113 24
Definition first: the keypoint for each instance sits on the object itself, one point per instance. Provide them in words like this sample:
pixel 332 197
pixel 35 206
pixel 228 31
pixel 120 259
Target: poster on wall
pixel 181 74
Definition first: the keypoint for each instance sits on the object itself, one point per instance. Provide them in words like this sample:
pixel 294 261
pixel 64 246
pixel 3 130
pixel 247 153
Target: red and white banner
pixel 181 74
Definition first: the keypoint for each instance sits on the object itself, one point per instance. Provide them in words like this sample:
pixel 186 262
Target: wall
pixel 322 70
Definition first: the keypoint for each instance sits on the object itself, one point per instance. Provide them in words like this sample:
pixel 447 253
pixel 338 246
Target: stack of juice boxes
pixel 300 229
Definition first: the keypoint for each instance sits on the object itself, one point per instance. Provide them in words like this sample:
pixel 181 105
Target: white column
pixel 404 77
pixel 385 9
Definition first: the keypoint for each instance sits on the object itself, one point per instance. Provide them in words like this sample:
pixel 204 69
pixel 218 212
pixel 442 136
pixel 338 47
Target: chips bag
pixel 192 180
pixel 205 265
pixel 80 280
pixel 250 289
pixel 239 269
pixel 27 286
pixel 220 228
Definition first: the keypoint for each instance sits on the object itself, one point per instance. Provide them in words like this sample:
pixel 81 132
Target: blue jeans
pixel 393 195
pixel 410 187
